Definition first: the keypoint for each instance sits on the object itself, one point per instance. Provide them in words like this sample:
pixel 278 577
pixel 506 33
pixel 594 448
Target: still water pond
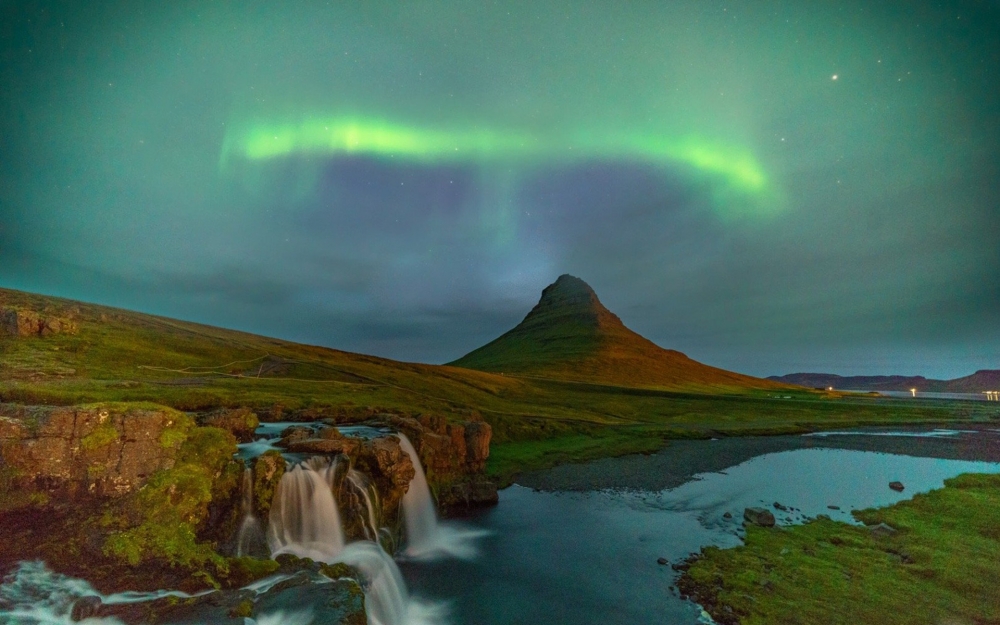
pixel 591 556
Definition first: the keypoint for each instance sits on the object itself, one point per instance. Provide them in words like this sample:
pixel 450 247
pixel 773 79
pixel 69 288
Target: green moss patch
pixel 161 520
pixel 940 565
pixel 102 436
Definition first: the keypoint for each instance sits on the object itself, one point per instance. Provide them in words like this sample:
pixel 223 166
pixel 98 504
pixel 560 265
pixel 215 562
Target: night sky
pixel 767 186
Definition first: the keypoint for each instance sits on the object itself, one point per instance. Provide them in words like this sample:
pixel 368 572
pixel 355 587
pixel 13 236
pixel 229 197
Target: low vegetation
pixel 537 421
pixel 935 560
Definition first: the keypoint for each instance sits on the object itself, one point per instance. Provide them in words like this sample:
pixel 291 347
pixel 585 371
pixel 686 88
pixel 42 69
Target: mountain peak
pixel 570 300
pixel 570 335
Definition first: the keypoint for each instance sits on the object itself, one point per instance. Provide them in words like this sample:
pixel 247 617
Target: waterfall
pixel 418 507
pixel 250 540
pixel 426 539
pixel 304 519
pixel 369 496
pixel 386 598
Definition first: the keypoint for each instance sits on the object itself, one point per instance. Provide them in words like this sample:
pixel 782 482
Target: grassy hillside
pixel 570 335
pixel 116 355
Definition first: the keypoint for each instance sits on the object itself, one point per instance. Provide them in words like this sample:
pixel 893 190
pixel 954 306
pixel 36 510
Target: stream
pixel 579 544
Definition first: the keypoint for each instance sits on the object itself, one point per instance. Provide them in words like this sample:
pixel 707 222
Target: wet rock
pixel 225 606
pixel 331 433
pixel 470 491
pixel 834 507
pixel 391 461
pixel 896 486
pixel 339 602
pixel 778 506
pixel 447 449
pixel 727 515
pixel 325 446
pixel 85 607
pixel 661 561
pixel 758 516
pixel 241 422
pixel 295 433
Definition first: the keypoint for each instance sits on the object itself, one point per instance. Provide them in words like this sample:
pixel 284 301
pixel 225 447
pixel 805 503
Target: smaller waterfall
pixel 418 507
pixel 427 539
pixel 250 540
pixel 304 520
pixel 369 496
pixel 386 598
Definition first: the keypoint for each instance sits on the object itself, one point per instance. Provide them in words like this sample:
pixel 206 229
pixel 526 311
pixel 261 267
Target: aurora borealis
pixel 769 187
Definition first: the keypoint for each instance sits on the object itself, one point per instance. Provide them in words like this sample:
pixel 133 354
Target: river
pixel 580 544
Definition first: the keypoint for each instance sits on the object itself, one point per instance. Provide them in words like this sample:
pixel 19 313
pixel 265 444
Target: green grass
pixel 120 356
pixel 941 566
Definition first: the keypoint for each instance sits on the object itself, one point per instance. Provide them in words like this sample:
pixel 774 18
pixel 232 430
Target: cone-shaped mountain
pixel 570 335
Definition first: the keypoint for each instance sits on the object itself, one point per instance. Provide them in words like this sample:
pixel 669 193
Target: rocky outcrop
pixel 453 455
pixel 241 422
pixel 99 450
pixel 382 460
pixel 23 323
pixel 337 602
pixel 758 516
pixel 267 471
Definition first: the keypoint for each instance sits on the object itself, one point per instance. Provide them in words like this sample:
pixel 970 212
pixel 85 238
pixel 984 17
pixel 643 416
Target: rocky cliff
pixel 454 457
pixel 100 450
pixel 23 323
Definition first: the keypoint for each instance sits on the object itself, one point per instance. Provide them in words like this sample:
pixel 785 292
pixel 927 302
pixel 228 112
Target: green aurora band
pixel 737 170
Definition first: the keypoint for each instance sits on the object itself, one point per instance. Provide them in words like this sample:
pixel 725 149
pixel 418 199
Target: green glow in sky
pixel 735 168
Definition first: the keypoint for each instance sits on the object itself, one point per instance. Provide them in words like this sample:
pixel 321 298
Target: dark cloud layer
pixel 875 249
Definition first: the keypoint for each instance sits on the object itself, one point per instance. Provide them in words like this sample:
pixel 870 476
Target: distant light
pixel 834 77
pixel 829 388
pixel 914 391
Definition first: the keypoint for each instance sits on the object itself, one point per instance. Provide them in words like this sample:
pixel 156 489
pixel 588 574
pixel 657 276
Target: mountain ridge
pixel 982 380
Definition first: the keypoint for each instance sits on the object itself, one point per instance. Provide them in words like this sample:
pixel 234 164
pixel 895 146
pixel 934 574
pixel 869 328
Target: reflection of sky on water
pixel 590 557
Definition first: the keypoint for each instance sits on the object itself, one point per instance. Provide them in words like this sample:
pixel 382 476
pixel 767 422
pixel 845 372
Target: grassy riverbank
pixel 940 565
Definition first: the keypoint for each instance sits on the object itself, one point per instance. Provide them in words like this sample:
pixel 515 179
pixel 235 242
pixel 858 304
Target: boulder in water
pixel 758 516
pixel 324 446
pixel 85 607
pixel 896 486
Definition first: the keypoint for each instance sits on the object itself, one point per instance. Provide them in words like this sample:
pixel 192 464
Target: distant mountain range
pixel 570 335
pixel 983 380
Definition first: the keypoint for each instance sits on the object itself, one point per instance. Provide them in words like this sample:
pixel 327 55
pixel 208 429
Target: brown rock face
pixel 18 322
pixel 324 446
pixel 453 456
pixel 83 450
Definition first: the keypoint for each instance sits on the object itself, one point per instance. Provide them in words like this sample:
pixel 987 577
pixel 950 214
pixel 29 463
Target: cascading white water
pixel 362 485
pixel 250 540
pixel 386 598
pixel 418 507
pixel 426 538
pixel 304 520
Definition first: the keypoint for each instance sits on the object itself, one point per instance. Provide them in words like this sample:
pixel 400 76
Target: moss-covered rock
pixel 241 422
pixel 267 471
pixel 107 449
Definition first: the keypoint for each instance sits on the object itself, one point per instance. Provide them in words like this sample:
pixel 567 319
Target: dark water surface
pixel 585 549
